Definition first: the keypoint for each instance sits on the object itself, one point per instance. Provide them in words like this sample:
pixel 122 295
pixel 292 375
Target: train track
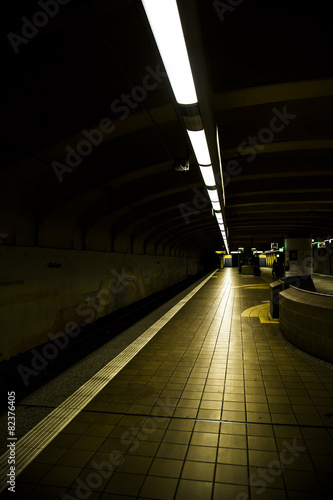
pixel 91 337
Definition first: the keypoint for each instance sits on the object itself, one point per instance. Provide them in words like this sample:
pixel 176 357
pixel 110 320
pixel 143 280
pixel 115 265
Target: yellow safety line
pixel 260 311
pixel 253 286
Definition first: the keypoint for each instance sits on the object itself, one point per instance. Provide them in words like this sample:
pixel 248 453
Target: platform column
pixel 298 255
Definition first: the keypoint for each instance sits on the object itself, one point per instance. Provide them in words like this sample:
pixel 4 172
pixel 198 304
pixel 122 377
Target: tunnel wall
pixel 46 292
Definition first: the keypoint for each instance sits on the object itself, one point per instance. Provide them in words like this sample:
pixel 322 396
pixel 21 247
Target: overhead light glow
pixel 200 146
pixel 166 26
pixel 167 29
pixel 220 162
pixel 216 206
pixel 213 195
pixel 208 175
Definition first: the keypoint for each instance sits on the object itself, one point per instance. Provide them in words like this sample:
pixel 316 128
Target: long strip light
pixel 219 155
pixel 208 175
pixel 164 20
pixel 165 23
pixel 216 206
pixel 200 146
pixel 213 195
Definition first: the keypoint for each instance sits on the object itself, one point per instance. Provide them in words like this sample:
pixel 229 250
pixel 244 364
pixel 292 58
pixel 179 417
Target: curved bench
pixel 300 282
pixel 306 320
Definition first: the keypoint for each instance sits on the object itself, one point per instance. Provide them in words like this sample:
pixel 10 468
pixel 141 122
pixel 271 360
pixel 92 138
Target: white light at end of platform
pixel 208 175
pixel 219 217
pixel 213 195
pixel 216 206
pixel 166 26
pixel 200 146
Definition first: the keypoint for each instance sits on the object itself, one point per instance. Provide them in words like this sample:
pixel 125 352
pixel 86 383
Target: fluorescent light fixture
pixel 213 195
pixel 219 217
pixel 199 144
pixel 166 26
pixel 220 162
pixel 208 175
pixel 216 206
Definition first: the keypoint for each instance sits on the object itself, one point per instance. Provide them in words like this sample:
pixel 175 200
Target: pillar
pixel 298 253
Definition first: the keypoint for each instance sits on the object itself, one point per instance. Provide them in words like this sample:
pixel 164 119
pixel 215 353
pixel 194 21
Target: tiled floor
pixel 216 406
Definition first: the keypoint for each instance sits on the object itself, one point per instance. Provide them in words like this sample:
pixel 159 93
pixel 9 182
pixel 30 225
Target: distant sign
pixel 274 246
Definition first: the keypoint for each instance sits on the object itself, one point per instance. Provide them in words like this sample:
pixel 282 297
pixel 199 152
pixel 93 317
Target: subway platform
pixel 210 402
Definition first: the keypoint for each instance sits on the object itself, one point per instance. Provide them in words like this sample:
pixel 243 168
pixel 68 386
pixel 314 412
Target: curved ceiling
pixel 91 132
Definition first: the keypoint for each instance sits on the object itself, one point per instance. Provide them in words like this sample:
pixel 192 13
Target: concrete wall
pixel 306 320
pixel 45 292
pixel 323 260
pixel 298 252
